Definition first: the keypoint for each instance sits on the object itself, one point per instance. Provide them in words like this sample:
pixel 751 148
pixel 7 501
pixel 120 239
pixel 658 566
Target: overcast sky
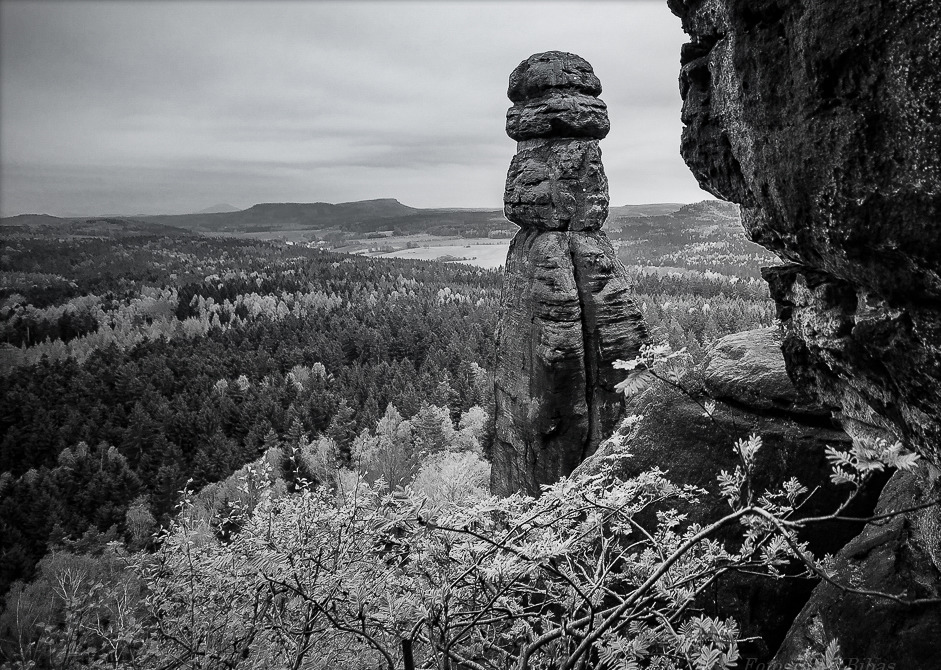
pixel 121 107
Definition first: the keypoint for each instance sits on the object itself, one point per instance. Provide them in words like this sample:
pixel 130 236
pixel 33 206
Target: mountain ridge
pixel 371 216
pixel 273 215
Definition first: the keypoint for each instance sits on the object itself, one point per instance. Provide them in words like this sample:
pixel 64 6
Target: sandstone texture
pixel 552 71
pixel 559 115
pixel 748 369
pixel 822 119
pixel 675 435
pixel 566 312
pixel 557 185
pixel 890 556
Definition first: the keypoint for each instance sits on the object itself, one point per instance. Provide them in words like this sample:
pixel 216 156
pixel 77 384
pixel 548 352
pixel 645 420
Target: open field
pixel 483 252
pixel 489 255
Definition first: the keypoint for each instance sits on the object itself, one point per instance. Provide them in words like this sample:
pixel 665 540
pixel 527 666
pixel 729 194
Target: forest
pixel 150 374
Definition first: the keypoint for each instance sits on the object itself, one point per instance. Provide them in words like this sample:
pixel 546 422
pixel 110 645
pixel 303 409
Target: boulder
pixel 550 71
pixel 748 369
pixel 559 115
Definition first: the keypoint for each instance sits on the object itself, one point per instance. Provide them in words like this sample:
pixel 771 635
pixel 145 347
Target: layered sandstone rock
pixel 566 311
pixel 822 120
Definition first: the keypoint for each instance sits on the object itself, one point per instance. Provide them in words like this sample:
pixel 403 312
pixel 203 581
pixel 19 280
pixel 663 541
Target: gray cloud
pixel 143 107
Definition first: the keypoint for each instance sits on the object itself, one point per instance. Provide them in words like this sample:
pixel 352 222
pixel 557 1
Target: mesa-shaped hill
pixel 649 209
pixel 219 208
pixel 699 217
pixel 360 216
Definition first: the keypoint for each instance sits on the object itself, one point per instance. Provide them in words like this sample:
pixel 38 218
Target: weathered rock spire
pixel 566 312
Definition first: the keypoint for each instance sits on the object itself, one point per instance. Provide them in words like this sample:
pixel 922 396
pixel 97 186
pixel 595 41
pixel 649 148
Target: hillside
pixel 134 362
pixel 651 209
pixel 369 216
pixel 364 215
pixel 699 216
pixel 360 217
pixel 705 236
pixel 44 225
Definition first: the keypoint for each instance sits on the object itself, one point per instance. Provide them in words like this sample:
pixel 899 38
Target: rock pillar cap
pixel 542 73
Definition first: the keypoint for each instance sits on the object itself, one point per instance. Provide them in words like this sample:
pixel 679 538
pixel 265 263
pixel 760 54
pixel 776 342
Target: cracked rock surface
pixel 891 556
pixel 557 185
pixel 822 119
pixel 566 312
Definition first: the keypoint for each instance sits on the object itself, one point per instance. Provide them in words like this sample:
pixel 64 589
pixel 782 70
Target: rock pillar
pixel 566 312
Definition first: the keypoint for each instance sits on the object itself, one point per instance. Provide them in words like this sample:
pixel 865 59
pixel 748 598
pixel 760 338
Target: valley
pixel 141 360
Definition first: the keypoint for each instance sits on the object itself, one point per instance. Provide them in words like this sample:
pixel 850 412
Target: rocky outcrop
pixel 822 120
pixel 891 556
pixel 566 312
pixel 557 185
pixel 674 433
pixel 745 375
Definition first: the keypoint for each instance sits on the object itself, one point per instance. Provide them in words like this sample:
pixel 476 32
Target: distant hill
pixel 361 216
pixel 219 209
pixel 32 220
pixel 705 237
pixel 33 225
pixel 368 216
pixel 718 211
pixel 697 218
pixel 652 209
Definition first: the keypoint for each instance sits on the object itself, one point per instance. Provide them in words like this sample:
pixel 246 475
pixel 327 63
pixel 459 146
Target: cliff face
pixel 822 119
pixel 566 312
